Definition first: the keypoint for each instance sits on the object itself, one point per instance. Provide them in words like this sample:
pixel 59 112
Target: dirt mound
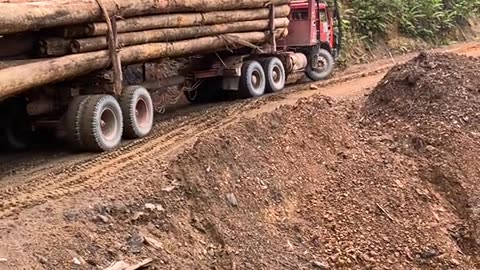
pixel 431 89
pixel 302 187
pixel 429 110
pixel 310 189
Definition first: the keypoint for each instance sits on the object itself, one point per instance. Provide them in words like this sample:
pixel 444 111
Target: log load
pixel 25 16
pixel 176 21
pixel 54 46
pixel 84 36
pixel 171 34
pixel 16 79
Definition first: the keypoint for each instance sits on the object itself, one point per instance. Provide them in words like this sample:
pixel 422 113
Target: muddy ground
pixel 369 170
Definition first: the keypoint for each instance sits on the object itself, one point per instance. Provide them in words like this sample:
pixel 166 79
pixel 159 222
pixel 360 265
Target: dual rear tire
pixel 258 79
pixel 275 74
pixel 97 123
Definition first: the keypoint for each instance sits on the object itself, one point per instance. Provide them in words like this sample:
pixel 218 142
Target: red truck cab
pixel 312 31
pixel 310 24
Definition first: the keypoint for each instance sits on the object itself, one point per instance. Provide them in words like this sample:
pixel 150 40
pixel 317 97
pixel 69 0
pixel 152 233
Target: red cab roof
pixel 301 4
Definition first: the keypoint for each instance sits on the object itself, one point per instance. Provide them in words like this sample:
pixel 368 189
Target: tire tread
pixel 73 119
pixel 244 89
pixel 127 105
pixel 89 128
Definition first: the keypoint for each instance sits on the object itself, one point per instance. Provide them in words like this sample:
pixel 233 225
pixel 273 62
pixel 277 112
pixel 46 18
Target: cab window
pixel 300 15
pixel 323 15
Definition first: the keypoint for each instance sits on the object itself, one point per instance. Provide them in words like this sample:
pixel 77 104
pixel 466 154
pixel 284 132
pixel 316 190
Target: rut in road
pixel 70 179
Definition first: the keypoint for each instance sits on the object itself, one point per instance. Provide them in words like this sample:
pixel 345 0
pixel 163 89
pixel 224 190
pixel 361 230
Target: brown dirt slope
pixel 429 109
pixel 389 182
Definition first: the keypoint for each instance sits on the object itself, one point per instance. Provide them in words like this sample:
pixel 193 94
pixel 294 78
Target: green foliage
pixel 370 18
pixel 426 19
pixel 430 20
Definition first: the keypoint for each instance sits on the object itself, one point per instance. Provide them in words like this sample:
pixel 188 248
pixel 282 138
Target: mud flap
pixel 313 59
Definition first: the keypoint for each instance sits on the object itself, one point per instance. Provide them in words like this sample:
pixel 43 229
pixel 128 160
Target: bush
pixel 370 18
pixel 431 20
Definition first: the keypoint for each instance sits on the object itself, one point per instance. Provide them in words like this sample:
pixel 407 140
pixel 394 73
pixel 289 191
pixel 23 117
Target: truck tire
pixel 101 126
pixel 326 70
pixel 137 111
pixel 275 74
pixel 72 121
pixel 252 80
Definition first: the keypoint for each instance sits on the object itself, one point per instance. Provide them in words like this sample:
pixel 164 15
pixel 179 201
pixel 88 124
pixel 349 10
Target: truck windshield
pixel 300 15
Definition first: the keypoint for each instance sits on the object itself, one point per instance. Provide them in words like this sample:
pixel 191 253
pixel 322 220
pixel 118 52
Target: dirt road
pixel 38 188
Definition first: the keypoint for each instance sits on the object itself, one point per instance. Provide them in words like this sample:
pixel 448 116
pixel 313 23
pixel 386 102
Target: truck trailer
pixel 86 96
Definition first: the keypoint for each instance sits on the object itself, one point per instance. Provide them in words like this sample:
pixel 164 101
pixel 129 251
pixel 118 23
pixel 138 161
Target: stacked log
pixel 173 34
pixel 71 36
pixel 24 16
pixel 173 21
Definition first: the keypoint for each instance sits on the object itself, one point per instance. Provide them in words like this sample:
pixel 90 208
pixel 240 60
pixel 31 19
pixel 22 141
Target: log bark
pixel 177 21
pixel 174 34
pixel 73 31
pixel 12 63
pixel 18 79
pixel 18 17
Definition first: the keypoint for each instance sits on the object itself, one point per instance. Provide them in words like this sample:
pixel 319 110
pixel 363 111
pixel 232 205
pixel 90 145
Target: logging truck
pixel 97 109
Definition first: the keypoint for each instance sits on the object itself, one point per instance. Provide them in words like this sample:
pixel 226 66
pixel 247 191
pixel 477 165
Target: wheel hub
pixel 321 64
pixel 142 113
pixel 256 79
pixel 276 74
pixel 108 124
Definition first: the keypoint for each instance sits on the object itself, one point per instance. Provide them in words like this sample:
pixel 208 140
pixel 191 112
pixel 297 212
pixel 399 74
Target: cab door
pixel 324 25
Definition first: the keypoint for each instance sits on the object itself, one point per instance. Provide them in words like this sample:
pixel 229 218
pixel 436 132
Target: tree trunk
pixel 21 78
pixel 177 21
pixel 54 46
pixel 18 17
pixel 174 34
pixel 12 63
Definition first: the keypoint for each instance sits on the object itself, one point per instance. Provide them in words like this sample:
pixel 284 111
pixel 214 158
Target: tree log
pixel 174 34
pixel 18 17
pixel 21 78
pixel 177 21
pixel 54 46
pixel 73 31
pixel 12 63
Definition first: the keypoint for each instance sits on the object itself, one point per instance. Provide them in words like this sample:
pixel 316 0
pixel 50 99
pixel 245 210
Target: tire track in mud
pixel 68 180
pixel 84 160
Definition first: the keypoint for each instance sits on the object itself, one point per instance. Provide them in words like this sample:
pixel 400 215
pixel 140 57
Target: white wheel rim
pixel 256 79
pixel 108 124
pixel 142 113
pixel 276 77
pixel 322 64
